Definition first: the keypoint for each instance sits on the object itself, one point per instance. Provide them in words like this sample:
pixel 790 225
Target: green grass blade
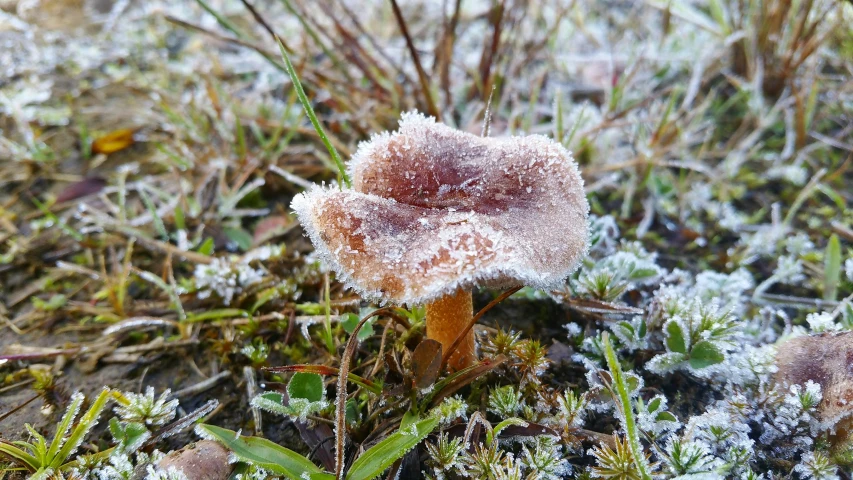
pixel 300 92
pixel 832 268
pixel 222 20
pixel 64 427
pixel 265 454
pixel 624 402
pixel 87 421
pixel 21 456
pixel 379 457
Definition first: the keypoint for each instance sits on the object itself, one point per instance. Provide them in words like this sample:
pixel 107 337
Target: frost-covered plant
pixel 622 393
pixel 545 460
pixel 43 458
pixel 504 342
pixel 632 334
pixel 571 410
pixel 505 401
pixel 530 357
pixel 654 419
pixel 792 426
pixel 822 322
pixel 257 352
pixel 816 466
pixel 484 461
pixel 146 409
pixel 450 409
pixel 726 289
pixel 685 457
pixel 698 334
pixel 306 394
pixel 611 276
pixel 616 463
pixel 444 455
pixel 171 473
pixel 225 278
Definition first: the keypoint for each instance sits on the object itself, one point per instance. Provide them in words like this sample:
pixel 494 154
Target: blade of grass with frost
pixel 170 291
pixel 832 268
pixel 57 221
pixel 222 20
pixel 314 36
pixel 297 85
pixel 236 31
pixel 155 217
pixel 624 404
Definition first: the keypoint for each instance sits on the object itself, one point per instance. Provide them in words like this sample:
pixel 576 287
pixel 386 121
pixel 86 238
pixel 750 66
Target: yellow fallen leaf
pixel 113 141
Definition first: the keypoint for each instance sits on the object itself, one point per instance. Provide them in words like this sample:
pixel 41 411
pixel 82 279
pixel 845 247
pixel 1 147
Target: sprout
pixel 145 409
pixel 435 211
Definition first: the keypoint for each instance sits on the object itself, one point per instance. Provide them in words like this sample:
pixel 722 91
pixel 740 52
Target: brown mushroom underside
pixel 826 359
pixel 434 209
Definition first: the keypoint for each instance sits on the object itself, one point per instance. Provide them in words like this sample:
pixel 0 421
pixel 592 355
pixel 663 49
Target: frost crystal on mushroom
pixel 434 209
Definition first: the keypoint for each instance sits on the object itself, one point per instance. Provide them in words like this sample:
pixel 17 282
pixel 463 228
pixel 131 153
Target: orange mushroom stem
pixel 446 319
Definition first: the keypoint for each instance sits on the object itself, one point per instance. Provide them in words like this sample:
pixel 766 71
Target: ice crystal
pixel 573 329
pixel 147 410
pixel 848 268
pixel 451 210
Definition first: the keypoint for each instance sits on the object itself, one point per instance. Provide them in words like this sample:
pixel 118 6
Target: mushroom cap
pixel 826 359
pixel 434 209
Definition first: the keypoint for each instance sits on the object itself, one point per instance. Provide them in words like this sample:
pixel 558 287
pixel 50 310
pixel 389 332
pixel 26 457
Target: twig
pixel 473 321
pixel 340 404
pixel 422 77
pixel 202 386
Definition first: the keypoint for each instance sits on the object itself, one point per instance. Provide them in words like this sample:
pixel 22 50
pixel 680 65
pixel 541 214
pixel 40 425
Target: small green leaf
pixel 206 248
pixel 180 222
pixel 654 405
pixel 378 458
pixel 665 417
pixel 351 415
pixel 349 322
pixel 266 454
pixel 832 268
pixel 704 354
pixel 675 338
pixel 239 236
pixel 306 385
pixel 643 328
pixel 632 381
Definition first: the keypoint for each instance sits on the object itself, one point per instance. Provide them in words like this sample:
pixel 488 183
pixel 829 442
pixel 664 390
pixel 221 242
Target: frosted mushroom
pixel 434 212
pixel 826 359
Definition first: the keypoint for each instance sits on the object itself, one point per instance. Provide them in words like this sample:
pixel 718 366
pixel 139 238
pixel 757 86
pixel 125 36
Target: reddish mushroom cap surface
pixel 434 209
